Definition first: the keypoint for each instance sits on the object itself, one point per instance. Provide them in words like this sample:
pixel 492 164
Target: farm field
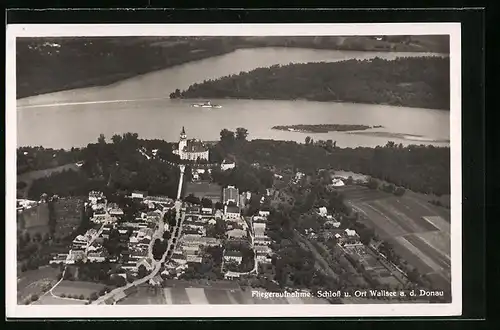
pixel 77 288
pixel 29 177
pixel 68 215
pixel 51 300
pixel 419 231
pixel 206 295
pixel 35 281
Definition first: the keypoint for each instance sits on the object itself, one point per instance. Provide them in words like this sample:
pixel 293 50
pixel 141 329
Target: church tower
pixel 182 141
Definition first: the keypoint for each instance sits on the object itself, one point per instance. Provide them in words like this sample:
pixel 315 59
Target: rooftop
pixel 232 253
pixel 195 146
pixel 232 209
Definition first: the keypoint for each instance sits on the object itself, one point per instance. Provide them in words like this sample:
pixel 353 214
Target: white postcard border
pixel 198 311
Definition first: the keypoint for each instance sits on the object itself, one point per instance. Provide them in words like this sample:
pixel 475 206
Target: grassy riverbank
pixel 47 65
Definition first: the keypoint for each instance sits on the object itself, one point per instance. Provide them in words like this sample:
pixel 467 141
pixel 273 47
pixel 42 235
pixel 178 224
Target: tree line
pixel 421 168
pixel 421 82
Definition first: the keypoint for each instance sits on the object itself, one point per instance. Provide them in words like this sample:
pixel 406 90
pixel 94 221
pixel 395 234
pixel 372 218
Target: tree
pixel 142 271
pixel 81 297
pixel 167 235
pixel 241 134
pixel 372 184
pixel 219 206
pixel 116 138
pixel 226 136
pixel 119 281
pixel 349 180
pixel 34 297
pixel 192 199
pixel 101 139
pixel 205 202
pixel 399 191
pixel 308 140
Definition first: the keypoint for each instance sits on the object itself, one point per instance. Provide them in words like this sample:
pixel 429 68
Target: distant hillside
pixel 47 65
pixel 414 82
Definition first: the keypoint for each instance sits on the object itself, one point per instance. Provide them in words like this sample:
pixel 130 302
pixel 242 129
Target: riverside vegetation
pixel 66 63
pixel 421 82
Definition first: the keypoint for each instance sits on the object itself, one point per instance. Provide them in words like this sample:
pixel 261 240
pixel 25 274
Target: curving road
pixel 157 264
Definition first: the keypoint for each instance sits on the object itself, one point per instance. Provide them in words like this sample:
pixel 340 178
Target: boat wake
pixel 88 102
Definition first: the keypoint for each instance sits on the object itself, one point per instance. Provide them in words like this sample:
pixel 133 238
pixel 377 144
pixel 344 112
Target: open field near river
pixel 418 231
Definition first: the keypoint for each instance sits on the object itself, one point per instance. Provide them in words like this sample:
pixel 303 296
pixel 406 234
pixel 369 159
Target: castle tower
pixel 182 141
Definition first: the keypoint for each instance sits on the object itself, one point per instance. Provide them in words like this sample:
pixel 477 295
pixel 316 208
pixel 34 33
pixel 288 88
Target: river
pixel 76 117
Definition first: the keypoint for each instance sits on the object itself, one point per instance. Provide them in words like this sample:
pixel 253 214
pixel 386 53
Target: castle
pixel 191 149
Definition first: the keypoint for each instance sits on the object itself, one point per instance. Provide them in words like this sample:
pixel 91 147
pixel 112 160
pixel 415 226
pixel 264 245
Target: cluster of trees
pixel 245 178
pixel 388 188
pixel 412 81
pixel 419 168
pixel 91 272
pixel 116 243
pixel 40 158
pixel 113 166
pixel 204 202
pixel 218 230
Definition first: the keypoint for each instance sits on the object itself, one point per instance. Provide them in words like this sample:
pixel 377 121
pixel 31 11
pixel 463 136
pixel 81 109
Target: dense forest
pixel 52 64
pixel 421 82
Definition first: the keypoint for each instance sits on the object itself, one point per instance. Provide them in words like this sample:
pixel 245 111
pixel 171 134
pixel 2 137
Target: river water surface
pixel 76 117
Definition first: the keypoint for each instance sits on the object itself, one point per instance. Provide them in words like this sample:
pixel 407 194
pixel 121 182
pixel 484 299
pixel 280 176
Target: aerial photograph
pixel 166 170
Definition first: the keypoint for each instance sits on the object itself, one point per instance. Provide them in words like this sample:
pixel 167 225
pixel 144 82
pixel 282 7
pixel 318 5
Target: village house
pixel 207 211
pixel 179 258
pixel 234 256
pixel 60 258
pixel 227 165
pixel 264 213
pixel 263 253
pixel 236 234
pixel 231 212
pixel 198 240
pixel 139 194
pixel 79 242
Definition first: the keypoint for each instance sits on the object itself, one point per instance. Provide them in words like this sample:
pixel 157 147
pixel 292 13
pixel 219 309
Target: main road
pixel 157 264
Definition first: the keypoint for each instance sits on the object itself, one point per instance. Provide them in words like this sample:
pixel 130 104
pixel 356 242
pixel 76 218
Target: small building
pixel 235 256
pixel 231 275
pixel 236 234
pixel 350 233
pixel 139 194
pixel 227 165
pixel 323 211
pixel 264 213
pixel 207 211
pixel 231 212
pixel 337 183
